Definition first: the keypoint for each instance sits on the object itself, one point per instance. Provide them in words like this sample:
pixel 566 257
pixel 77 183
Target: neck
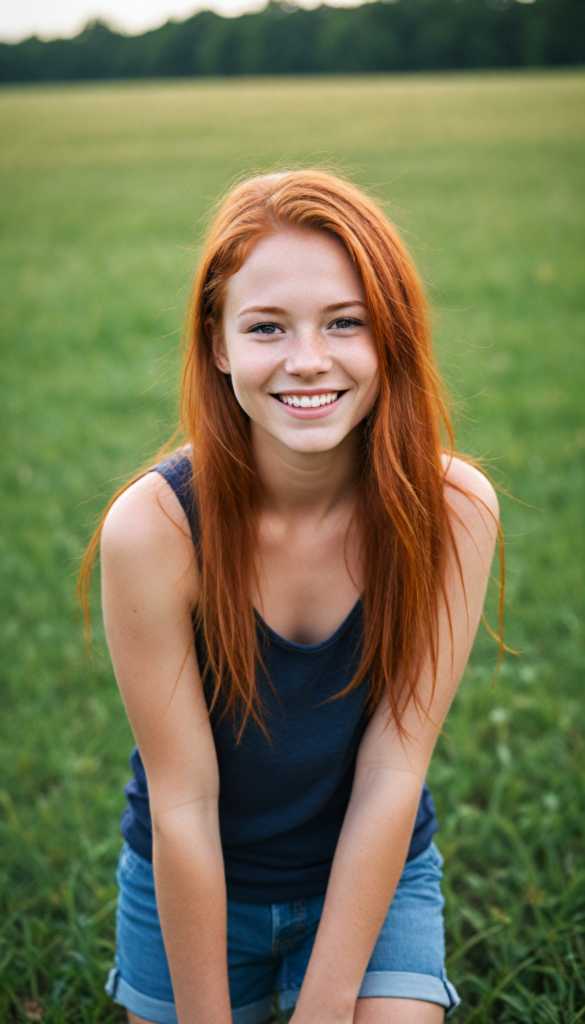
pixel 305 482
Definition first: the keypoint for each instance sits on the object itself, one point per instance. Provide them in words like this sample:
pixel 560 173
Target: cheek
pixel 366 367
pixel 370 395
pixel 250 371
pixel 366 373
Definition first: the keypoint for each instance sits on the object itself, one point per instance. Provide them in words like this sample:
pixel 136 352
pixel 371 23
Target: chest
pixel 309 577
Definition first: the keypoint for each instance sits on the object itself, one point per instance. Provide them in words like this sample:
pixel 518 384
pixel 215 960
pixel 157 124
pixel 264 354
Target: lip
pixel 307 391
pixel 309 414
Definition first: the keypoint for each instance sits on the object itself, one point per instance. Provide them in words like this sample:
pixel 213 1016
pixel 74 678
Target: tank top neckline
pixel 282 641
pixel 177 470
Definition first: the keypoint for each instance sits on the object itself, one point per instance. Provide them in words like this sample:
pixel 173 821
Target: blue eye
pixel 263 329
pixel 345 322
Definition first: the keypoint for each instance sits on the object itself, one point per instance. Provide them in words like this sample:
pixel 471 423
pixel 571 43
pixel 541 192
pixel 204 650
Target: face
pixel 296 340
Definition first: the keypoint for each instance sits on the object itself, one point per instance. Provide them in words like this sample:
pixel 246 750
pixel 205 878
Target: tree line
pixel 404 35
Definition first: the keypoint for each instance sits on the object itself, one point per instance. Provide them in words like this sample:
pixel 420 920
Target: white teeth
pixel 309 401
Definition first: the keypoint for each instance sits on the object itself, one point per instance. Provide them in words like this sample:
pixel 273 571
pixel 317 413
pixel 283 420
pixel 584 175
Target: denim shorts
pixel 269 946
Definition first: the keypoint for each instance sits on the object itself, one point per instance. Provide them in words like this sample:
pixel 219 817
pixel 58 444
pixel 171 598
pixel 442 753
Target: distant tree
pixel 404 35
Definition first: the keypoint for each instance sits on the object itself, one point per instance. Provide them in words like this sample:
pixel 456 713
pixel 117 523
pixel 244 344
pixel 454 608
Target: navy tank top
pixel 281 803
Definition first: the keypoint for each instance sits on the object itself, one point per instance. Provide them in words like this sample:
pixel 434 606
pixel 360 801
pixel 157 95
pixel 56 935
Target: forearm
pixel 191 898
pixel 368 862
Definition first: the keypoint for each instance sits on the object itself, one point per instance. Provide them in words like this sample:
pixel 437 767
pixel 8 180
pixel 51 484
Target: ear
pixel 218 346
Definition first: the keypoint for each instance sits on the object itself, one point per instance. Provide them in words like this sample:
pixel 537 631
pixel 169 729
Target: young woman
pixel 290 600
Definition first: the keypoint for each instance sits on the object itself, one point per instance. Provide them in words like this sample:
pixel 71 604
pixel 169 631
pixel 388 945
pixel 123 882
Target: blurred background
pixel 467 118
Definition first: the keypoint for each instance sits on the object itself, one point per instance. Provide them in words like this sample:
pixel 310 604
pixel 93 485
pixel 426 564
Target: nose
pixel 308 355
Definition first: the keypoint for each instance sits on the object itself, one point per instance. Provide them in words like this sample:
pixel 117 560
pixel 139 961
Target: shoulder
pixel 146 511
pixel 471 499
pixel 146 529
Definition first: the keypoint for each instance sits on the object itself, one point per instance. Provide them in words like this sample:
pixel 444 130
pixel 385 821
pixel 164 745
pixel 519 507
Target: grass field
pixel 103 194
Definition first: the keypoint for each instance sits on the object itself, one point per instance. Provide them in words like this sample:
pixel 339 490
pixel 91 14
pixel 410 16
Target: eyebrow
pixel 279 311
pixel 264 309
pixel 344 305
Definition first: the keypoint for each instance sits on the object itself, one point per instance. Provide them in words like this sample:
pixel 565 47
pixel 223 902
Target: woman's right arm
pixel 149 584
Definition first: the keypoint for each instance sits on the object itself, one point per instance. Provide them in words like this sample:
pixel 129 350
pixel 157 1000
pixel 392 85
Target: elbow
pixel 186 844
pixel 199 816
pixel 387 783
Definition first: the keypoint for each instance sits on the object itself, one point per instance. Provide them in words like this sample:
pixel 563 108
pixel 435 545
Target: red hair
pixel 401 512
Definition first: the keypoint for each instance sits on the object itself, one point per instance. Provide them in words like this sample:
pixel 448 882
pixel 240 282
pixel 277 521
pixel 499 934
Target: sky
pixel 51 19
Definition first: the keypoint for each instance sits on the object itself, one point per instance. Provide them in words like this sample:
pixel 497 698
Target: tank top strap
pixel 178 473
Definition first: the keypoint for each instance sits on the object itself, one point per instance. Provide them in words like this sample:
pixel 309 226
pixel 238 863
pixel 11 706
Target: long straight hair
pixel 401 507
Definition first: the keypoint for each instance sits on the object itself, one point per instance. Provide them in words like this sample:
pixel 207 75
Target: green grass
pixel 103 191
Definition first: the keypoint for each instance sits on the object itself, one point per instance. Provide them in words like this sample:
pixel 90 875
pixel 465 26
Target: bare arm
pixel 375 837
pixel 149 582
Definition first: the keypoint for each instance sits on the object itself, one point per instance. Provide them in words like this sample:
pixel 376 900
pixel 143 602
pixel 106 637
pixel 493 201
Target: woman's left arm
pixel 390 771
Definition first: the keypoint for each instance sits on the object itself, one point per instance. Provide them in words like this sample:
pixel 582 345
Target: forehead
pixel 294 264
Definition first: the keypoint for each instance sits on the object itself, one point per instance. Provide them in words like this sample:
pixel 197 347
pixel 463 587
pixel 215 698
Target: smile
pixel 309 401
pixel 309 407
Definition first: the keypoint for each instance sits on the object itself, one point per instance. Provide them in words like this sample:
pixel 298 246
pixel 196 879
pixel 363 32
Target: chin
pixel 312 445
